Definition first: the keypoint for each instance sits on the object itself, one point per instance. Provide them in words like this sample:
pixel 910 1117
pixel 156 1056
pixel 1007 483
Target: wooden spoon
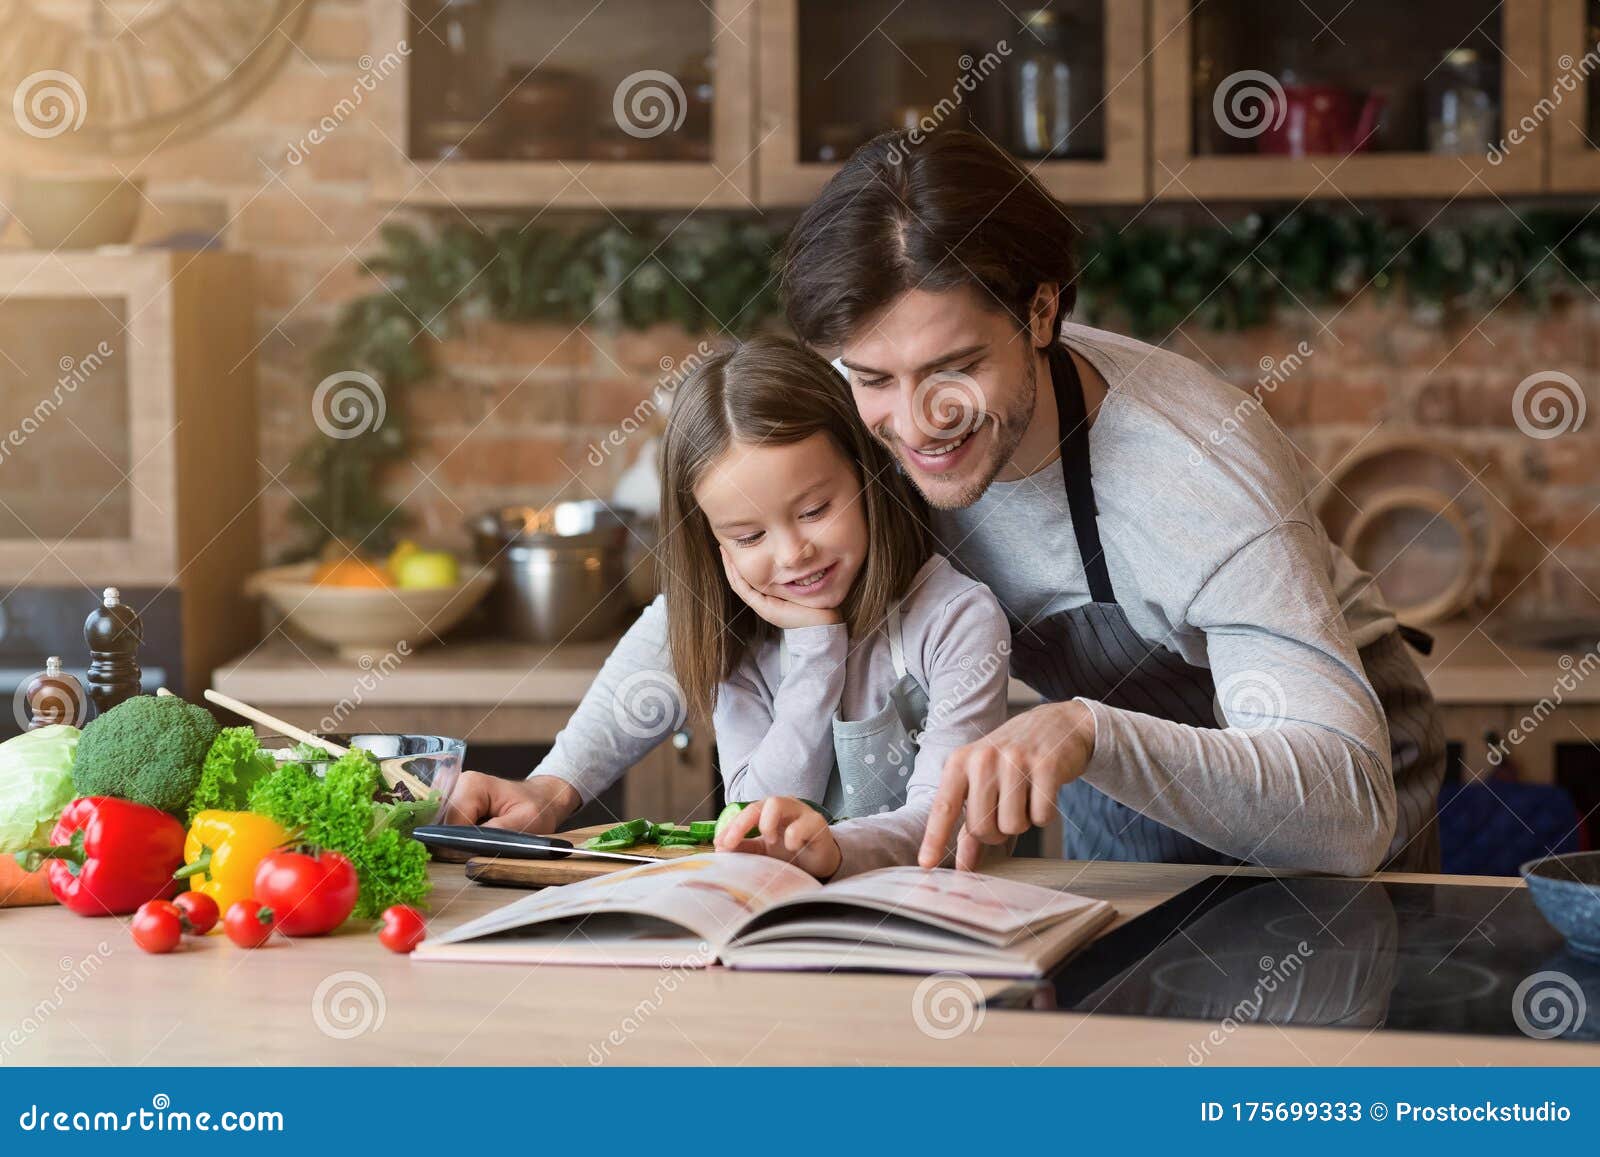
pixel 392 769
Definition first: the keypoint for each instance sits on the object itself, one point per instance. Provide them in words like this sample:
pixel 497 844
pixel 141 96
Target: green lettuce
pixel 35 784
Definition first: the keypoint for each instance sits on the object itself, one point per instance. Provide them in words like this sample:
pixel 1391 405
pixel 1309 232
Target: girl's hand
pixel 788 830
pixel 781 613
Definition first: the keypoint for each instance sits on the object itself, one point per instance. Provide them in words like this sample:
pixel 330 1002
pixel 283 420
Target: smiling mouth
pixel 947 448
pixel 811 582
pixel 940 457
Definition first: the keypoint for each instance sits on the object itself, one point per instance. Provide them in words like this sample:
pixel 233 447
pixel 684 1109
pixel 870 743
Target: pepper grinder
pixel 54 696
pixel 113 632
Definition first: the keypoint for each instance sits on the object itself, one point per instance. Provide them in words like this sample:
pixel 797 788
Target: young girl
pixel 839 658
pixel 804 612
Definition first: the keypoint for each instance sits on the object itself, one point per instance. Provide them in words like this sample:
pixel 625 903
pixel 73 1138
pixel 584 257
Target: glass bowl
pixel 436 760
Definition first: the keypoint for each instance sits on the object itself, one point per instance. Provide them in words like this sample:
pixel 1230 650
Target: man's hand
pixel 788 830
pixel 540 804
pixel 1007 781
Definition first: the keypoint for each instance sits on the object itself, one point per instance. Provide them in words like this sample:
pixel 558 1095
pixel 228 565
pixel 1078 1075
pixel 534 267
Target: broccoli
pixel 149 749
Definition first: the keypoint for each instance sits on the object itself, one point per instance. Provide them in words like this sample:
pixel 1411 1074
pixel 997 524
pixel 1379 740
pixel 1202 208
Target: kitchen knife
pixel 515 845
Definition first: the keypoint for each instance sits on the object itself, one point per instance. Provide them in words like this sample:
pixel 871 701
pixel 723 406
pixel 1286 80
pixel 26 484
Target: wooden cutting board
pixel 567 869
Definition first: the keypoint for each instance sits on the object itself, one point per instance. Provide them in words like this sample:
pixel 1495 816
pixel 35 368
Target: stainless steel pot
pixel 560 570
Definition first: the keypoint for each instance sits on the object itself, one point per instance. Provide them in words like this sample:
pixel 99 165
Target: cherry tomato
pixel 249 923
pixel 403 928
pixel 199 910
pixel 312 894
pixel 157 926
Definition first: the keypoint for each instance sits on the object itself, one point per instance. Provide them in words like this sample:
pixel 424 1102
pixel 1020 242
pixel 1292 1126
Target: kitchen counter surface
pixel 77 991
pixel 1467 666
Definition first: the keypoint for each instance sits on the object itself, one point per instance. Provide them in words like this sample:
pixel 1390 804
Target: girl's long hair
pixel 769 390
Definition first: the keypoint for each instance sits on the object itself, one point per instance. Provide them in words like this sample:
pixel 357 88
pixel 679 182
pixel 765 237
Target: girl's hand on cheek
pixel 781 613
pixel 787 830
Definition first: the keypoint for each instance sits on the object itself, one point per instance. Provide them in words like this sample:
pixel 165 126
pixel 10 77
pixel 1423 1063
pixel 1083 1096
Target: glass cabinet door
pixel 1330 98
pixel 1059 86
pixel 570 102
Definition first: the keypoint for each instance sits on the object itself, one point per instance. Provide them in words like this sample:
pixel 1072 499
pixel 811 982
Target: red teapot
pixel 1321 118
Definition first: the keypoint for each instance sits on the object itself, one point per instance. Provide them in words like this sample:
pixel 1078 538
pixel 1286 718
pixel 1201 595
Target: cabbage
pixel 35 784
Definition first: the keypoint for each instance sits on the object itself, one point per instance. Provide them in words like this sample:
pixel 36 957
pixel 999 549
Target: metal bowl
pixel 1567 891
pixel 561 572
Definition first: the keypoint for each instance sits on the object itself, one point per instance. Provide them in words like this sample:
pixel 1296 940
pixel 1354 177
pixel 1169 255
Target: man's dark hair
pixel 953 210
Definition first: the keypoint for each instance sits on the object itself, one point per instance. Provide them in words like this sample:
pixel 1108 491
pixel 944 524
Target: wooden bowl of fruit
pixel 367 607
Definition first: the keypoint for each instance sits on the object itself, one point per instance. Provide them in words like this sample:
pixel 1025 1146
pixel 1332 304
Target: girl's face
pixel 790 517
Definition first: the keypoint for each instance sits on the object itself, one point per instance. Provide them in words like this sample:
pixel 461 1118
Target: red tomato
pixel 249 923
pixel 402 929
pixel 157 926
pixel 311 894
pixel 199 910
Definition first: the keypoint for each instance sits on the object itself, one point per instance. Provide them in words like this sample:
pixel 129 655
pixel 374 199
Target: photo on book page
pixel 755 912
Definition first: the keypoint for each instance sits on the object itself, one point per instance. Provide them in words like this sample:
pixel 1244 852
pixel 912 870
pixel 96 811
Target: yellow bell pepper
pixel 222 850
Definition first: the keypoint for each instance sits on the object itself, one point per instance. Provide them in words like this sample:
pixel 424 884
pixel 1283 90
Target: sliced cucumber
pixel 601 844
pixel 624 835
pixel 726 817
pixel 678 840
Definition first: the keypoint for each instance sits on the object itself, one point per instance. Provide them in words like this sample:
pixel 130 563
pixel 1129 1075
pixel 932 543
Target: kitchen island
pixel 77 991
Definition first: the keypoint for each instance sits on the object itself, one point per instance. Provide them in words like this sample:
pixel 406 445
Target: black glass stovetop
pixel 1353 953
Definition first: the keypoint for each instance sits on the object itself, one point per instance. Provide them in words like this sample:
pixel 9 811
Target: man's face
pixel 947 385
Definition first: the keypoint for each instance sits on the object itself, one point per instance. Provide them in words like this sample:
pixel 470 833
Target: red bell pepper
pixel 107 856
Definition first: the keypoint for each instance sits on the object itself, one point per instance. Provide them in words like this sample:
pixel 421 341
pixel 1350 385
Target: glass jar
pixel 464 28
pixel 1048 96
pixel 1461 111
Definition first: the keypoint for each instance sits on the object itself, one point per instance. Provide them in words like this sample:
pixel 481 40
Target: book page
pixel 989 907
pixel 709 895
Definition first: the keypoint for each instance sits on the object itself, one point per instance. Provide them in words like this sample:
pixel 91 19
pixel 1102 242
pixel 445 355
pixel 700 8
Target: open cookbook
pixel 754 912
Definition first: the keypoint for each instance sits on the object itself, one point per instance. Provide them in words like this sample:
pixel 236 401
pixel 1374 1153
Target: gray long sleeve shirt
pixel 1213 553
pixel 774 730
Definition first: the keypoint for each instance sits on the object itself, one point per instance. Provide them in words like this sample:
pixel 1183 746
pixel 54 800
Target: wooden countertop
pixel 77 991
pixel 1467 666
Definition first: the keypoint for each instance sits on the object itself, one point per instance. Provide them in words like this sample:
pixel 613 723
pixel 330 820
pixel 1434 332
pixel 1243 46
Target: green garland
pixel 1154 277
pixel 702 274
pixel 716 274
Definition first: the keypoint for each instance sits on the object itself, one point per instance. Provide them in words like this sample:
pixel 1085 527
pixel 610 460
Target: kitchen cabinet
pixel 1061 87
pixel 1253 99
pixel 1574 123
pixel 493 103
pixel 127 449
pixel 629 104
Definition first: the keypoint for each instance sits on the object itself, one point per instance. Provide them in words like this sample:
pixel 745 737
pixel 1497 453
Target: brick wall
pixel 512 410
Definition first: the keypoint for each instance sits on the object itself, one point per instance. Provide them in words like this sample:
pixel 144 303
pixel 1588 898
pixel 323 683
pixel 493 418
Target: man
pixel 1222 684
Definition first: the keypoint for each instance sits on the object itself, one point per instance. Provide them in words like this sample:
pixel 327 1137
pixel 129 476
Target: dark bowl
pixel 1567 890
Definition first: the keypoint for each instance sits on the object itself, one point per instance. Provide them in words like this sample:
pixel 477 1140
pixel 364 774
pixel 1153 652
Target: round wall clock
pixel 128 76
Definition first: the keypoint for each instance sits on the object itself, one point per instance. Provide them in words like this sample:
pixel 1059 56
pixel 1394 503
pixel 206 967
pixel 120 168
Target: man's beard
pixel 1009 430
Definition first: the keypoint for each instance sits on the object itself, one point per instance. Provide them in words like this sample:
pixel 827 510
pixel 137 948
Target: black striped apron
pixel 1094 652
